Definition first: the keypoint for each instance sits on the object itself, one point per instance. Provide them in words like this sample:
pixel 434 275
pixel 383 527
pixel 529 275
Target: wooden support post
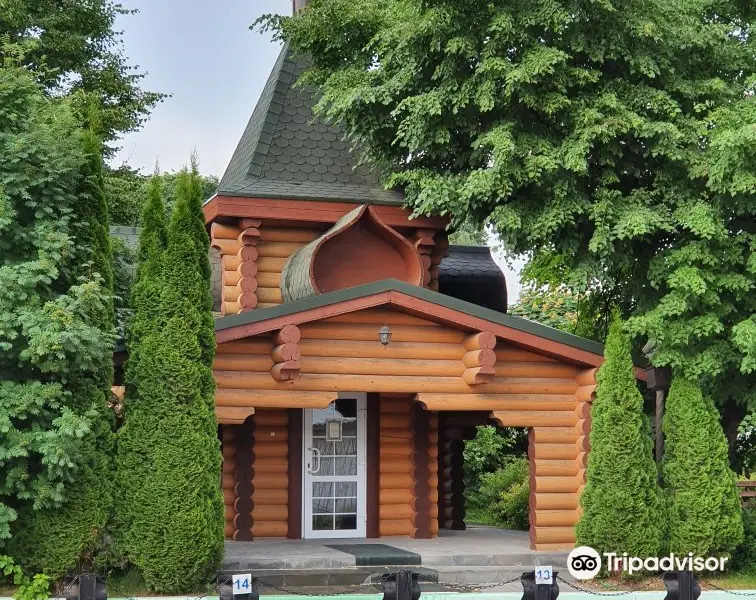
pixel 421 473
pixel 423 243
pixel 245 458
pixel 295 424
pixel 440 251
pixel 373 459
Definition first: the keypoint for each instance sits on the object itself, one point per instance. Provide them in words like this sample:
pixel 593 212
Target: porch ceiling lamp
pixel 384 335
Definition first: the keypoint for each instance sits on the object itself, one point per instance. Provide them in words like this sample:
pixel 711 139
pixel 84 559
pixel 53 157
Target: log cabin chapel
pixel 357 350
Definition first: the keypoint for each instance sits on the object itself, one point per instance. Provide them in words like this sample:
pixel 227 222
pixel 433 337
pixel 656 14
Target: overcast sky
pixel 203 54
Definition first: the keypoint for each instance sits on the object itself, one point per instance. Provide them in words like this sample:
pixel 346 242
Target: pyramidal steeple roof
pixel 287 152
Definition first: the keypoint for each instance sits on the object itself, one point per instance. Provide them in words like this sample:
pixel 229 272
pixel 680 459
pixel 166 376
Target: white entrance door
pixel 334 469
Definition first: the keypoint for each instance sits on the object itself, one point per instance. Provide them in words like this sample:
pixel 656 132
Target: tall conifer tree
pixel 56 331
pixel 145 299
pixel 702 497
pixel 621 502
pixel 175 534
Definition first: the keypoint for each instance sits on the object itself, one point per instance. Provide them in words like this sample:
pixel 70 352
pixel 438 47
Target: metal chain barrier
pixel 62 593
pixel 474 587
pixel 721 589
pixel 580 588
pixel 353 587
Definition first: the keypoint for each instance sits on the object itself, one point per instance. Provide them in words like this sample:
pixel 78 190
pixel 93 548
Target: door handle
pixel 315 455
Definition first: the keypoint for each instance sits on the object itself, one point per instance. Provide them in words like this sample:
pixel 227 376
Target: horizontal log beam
pixel 272 398
pixel 395 350
pixel 534 419
pixel 388 527
pixel 233 414
pixel 264 529
pixel 386 383
pixel 399 333
pixel 498 402
pixel 285 234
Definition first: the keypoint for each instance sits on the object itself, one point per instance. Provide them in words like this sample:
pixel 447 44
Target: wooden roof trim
pixel 312 211
pixel 421 308
pixel 313 314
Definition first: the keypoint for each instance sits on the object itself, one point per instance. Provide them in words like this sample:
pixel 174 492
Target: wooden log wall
pixel 238 443
pixel 558 451
pixel 271 474
pixel 454 430
pixel 433 474
pixel 396 471
pixel 228 479
pixel 343 354
pixel 252 257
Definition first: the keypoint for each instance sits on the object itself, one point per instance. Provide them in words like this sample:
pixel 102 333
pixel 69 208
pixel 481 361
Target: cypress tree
pixel 145 299
pixel 145 292
pixel 175 534
pixel 621 502
pixel 701 493
pixel 66 325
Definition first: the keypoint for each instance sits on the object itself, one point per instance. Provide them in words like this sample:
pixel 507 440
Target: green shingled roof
pixel 285 152
pixel 519 323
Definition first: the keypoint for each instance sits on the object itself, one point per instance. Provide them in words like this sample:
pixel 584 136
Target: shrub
pixel 701 493
pixel 490 450
pixel 505 493
pixel 622 506
pixel 744 557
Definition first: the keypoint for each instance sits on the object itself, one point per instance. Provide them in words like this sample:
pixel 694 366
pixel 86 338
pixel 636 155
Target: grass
pixel 729 581
pixel 130 583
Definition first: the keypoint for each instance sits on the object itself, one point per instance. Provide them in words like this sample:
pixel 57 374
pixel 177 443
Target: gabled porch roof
pixel 420 302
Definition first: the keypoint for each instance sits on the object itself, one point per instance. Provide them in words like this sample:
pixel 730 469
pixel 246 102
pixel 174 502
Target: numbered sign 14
pixel 241 583
pixel 544 575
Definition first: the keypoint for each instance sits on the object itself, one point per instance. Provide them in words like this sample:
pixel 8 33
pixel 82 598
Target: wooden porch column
pixel 238 457
pixel 295 427
pixel 421 473
pixel 454 429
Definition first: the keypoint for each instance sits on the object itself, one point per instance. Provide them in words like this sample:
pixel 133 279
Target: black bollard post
pixel 541 591
pixel 681 585
pixel 87 587
pixel 401 585
pixel 246 587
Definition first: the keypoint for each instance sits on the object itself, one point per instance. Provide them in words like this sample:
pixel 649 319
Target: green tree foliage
pixel 145 298
pixel 126 191
pixel 614 134
pixel 621 502
pixel 73 46
pixel 55 331
pixel 490 450
pixel 557 308
pixel 169 454
pixel 469 234
pixel 504 495
pixel 702 497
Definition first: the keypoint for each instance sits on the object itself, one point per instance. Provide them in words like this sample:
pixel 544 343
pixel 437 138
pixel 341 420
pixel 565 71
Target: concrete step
pixel 359 579
pixel 345 576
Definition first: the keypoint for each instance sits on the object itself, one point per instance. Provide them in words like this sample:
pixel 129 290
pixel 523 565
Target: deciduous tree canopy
pixel 615 134
pixel 72 45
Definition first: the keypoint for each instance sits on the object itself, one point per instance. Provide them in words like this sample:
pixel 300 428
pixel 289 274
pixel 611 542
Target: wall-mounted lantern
pixel 384 335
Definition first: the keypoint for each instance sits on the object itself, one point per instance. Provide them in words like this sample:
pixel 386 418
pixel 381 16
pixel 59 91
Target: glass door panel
pixel 334 469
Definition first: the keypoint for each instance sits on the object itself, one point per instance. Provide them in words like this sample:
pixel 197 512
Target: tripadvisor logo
pixel 584 562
